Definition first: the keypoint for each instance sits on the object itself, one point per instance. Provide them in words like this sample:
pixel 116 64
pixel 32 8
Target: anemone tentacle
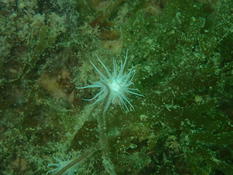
pixel 114 86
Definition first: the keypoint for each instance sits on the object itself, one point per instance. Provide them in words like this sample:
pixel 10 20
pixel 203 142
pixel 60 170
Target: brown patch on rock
pixel 153 8
pixel 20 165
pixel 59 86
pixel 115 46
pixel 109 35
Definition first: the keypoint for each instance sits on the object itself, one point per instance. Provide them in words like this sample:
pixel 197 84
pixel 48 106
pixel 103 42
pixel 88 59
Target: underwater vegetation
pixel 54 54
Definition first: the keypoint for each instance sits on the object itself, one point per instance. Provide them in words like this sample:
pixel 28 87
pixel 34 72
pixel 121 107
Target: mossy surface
pixel 182 51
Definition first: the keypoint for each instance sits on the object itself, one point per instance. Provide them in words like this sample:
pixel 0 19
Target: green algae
pixel 182 53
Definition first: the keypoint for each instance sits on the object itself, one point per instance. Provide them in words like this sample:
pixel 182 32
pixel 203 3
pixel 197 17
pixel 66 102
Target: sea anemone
pixel 115 85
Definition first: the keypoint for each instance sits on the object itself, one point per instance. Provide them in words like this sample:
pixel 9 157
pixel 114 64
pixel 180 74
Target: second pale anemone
pixel 115 85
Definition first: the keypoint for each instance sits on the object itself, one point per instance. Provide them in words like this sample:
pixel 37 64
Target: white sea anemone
pixel 115 85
